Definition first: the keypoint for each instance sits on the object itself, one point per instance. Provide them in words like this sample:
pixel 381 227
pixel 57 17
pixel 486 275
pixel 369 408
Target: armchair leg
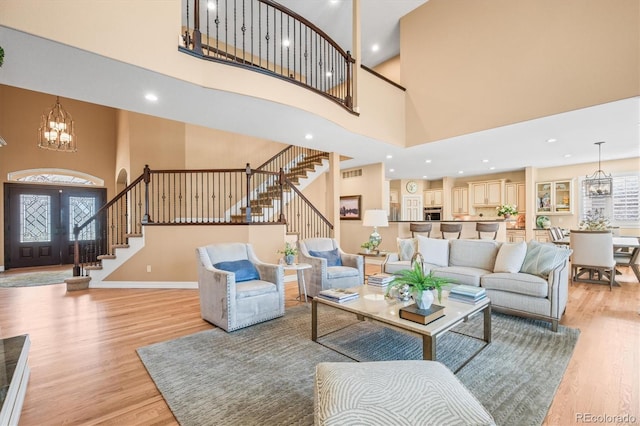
pixel 554 326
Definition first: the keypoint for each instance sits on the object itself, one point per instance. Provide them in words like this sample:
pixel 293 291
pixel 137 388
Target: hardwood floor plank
pixel 85 369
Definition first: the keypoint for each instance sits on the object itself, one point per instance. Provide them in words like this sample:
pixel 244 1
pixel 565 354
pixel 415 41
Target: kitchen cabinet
pixel 460 200
pixel 433 198
pixel 542 235
pixel 516 235
pixel 515 193
pixel 554 197
pixel 486 194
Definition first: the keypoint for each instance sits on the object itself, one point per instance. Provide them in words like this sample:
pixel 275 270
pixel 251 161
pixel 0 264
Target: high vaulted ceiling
pixel 616 123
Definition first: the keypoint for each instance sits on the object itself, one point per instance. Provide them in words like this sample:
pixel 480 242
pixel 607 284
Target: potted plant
pixel 420 285
pixel 367 246
pixel 289 253
pixel 1 55
pixel 507 210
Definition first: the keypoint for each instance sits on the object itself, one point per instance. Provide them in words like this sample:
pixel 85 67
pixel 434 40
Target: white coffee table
pixel 299 268
pixel 372 305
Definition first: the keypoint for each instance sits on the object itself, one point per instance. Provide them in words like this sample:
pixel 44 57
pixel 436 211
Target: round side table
pixel 299 268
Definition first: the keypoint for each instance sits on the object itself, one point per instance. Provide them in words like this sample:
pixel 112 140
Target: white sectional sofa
pixel 526 279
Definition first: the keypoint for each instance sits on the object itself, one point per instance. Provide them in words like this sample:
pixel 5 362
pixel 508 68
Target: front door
pixel 39 222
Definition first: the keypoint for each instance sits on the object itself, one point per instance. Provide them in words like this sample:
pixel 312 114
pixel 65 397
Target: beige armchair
pixel 592 255
pixel 236 289
pixel 323 254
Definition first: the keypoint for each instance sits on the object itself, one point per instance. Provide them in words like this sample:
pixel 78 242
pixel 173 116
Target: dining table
pixel 631 244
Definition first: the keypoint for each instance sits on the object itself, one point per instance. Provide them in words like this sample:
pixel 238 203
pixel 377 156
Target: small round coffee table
pixel 299 268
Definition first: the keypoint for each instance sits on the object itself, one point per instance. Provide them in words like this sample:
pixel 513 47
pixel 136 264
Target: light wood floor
pixel 85 370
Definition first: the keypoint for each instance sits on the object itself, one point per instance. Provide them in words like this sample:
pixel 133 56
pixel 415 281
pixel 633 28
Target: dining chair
pixel 592 255
pixel 420 228
pixel 629 259
pixel 450 228
pixel 487 228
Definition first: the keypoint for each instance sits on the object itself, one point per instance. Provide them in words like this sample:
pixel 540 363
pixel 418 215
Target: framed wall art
pixel 350 207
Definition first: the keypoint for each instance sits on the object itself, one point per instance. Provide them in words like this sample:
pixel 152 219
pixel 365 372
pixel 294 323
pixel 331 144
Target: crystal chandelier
pixel 599 183
pixel 56 130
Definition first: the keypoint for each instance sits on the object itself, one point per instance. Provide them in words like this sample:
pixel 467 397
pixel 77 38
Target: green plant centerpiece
pixel 507 210
pixel 289 252
pixel 368 246
pixel 419 284
pixel 1 56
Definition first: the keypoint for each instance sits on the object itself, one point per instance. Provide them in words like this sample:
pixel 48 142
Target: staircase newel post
pixel 281 182
pixel 348 100
pixel 197 36
pixel 248 209
pixel 76 251
pixel 147 178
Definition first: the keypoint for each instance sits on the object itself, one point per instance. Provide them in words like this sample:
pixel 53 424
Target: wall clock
pixel 412 187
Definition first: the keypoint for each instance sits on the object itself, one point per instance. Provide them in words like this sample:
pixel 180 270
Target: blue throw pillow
pixel 332 256
pixel 244 269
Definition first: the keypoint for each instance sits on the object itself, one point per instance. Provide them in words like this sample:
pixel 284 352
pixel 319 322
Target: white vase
pixel 423 299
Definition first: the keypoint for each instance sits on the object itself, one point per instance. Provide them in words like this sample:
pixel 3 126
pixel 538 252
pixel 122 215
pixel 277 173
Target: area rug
pixel 263 375
pixel 32 279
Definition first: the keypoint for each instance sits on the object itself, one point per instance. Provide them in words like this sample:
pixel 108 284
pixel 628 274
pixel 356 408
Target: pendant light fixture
pixel 599 183
pixel 56 130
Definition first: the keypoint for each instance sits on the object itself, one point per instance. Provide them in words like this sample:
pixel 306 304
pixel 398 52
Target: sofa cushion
pixel 254 288
pixel 479 254
pixel 530 285
pixel 400 265
pixel 461 274
pixel 332 256
pixel 406 248
pixel 341 272
pixel 543 258
pixel 243 269
pixel 433 250
pixel 510 257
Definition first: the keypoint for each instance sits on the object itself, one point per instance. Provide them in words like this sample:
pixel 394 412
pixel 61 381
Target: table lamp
pixel 375 218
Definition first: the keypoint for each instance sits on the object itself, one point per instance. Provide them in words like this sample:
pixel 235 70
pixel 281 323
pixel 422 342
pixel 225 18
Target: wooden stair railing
pixel 197 197
pixel 265 36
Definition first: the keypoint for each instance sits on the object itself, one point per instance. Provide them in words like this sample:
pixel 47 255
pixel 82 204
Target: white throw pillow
pixel 510 257
pixel 434 251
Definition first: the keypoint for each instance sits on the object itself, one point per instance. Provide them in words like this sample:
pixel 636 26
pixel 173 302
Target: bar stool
pixel 487 227
pixel 451 228
pixel 420 227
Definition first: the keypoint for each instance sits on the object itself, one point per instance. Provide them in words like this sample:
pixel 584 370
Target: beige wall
pixel 498 62
pixel 390 69
pixel 89 26
pixel 95 128
pixel 170 250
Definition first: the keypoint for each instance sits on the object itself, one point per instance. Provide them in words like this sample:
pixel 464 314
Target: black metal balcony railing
pixel 203 197
pixel 267 37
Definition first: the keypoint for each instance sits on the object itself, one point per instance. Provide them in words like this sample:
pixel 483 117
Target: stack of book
pixel 338 295
pixel 380 279
pixel 467 294
pixel 422 316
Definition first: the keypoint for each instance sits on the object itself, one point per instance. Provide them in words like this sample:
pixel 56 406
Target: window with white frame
pixel 622 208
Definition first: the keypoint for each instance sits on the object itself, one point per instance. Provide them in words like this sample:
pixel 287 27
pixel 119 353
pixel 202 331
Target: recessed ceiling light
pixel 552 140
pixel 334 1
pixel 375 48
pixel 567 155
pixel 286 43
pixel 424 177
pixel 151 97
pixel 389 156
pixel 492 168
pixel 427 161
pixel 329 74
pixel 308 136
pixel 211 5
pixel 485 161
pixel 460 172
pixel 392 170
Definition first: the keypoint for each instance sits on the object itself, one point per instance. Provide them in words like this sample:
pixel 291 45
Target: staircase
pixel 299 173
pixel 119 222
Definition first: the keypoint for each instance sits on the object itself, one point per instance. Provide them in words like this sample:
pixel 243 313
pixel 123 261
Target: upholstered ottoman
pixel 393 393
